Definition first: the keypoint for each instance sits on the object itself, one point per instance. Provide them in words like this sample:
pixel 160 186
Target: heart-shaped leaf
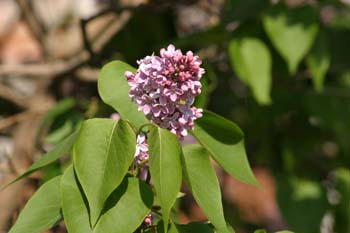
pixel 292 32
pixel 114 91
pixel 102 154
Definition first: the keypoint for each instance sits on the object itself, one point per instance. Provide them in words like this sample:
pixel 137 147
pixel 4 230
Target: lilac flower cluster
pixel 165 87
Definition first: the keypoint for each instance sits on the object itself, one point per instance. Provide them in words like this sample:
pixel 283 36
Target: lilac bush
pixel 141 185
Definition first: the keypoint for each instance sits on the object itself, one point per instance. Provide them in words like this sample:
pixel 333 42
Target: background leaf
pixel 42 211
pixel 342 211
pixel 192 227
pixel 75 212
pixel 126 208
pixel 59 150
pixel 251 60
pixel 297 196
pixel 292 32
pixel 103 153
pixel 201 177
pixel 114 91
pixel 59 109
pixel 165 167
pixel 319 61
pixel 224 141
pixel 260 231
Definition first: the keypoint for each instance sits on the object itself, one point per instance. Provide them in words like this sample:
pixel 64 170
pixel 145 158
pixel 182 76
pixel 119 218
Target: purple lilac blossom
pixel 149 219
pixel 165 87
pixel 141 155
pixel 115 116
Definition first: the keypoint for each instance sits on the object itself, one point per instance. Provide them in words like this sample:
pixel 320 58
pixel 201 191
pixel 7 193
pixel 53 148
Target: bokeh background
pixel 292 98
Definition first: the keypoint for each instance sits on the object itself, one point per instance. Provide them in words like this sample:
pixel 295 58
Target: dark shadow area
pixel 82 193
pixel 115 196
pixel 146 194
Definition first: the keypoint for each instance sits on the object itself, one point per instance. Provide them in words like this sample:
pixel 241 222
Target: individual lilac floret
pixel 141 153
pixel 165 87
pixel 141 156
pixel 149 219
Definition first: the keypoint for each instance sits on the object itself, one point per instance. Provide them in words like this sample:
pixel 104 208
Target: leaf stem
pixel 144 125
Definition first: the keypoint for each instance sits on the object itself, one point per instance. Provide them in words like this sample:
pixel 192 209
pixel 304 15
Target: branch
pixel 61 67
pixel 9 94
pixel 16 118
pixel 44 69
pixel 32 21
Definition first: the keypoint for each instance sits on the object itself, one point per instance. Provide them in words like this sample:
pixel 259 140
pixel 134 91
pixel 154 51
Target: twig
pixel 62 67
pixel 44 69
pixel 110 30
pixel 9 94
pixel 83 24
pixel 32 21
pixel 87 74
pixel 14 119
pixel 114 26
pixel 11 166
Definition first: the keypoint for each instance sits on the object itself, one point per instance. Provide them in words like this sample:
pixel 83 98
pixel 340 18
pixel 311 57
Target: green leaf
pixel 165 167
pixel 60 133
pixel 292 32
pixel 201 177
pixel 102 154
pixel 260 231
pixel 284 232
pixel 319 61
pixel 42 210
pixel 251 60
pixel 192 227
pixel 126 208
pixel 297 196
pixel 224 141
pixel 209 83
pixel 114 91
pixel 342 211
pixel 59 109
pixel 50 157
pixel 75 212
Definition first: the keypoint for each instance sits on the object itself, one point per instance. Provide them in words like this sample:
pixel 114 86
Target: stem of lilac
pixel 133 170
pixel 143 162
pixel 144 125
pixel 150 227
pixel 138 166
pixel 156 212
